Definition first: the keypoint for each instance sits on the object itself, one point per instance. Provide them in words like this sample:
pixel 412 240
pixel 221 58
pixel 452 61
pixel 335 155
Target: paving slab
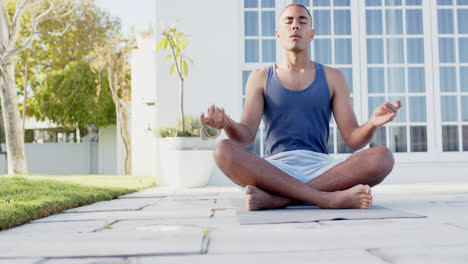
pixel 162 225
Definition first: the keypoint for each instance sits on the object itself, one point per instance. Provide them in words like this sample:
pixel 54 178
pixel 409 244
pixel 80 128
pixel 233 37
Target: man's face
pixel 295 29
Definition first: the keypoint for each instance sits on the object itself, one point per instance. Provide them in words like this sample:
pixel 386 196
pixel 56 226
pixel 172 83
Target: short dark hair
pixel 308 12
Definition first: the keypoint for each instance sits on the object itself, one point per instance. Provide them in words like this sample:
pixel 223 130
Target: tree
pixel 177 42
pixel 75 97
pixel 50 54
pixel 113 56
pixel 28 15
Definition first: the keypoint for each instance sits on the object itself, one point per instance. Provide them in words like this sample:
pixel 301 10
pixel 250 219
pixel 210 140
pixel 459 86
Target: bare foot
pixel 357 197
pixel 257 199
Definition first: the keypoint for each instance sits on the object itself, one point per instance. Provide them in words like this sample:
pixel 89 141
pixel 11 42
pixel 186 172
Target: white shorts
pixel 304 165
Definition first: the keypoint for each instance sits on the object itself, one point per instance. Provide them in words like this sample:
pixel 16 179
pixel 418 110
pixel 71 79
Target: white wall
pixel 71 158
pixel 107 150
pixel 215 36
pixel 143 108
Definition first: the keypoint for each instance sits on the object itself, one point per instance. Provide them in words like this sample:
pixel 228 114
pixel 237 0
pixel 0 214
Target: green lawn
pixel 26 198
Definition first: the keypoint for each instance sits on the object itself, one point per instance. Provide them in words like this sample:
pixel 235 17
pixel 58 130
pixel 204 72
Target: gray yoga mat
pixel 304 213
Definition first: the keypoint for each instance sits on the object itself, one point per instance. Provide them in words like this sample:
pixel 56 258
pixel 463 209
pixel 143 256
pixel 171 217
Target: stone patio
pixel 160 225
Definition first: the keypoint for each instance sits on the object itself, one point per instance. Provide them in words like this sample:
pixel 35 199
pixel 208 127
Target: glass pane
pixel 464 79
pixel 396 80
pixel 375 80
pixel 268 3
pixel 464 108
pixel 348 73
pixel 375 51
pixel 373 2
pixel 321 2
pixel 463 49
pixel 322 51
pixel 446 50
pixel 393 2
pixel 397 137
pixel 251 50
pixel 245 77
pixel 268 23
pixel 449 108
pixel 444 2
pixel 268 50
pixel 465 137
pixel 374 22
pixel 418 138
pixel 413 2
pixel 250 3
pixel 450 138
pixel 417 106
pixel 251 23
pixel 448 79
pixel 330 141
pixel 462 2
pixel 374 102
pixel 414 21
pixel 379 138
pixel 322 22
pixel 343 52
pixel 462 17
pixel 395 51
pixel 301 2
pixel 415 50
pixel 401 115
pixel 342 19
pixel 340 144
pixel 341 2
pixel 445 21
pixel 416 80
pixel 394 20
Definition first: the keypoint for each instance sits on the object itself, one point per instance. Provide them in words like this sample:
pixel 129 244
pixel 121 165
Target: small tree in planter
pixel 187 161
pixel 176 42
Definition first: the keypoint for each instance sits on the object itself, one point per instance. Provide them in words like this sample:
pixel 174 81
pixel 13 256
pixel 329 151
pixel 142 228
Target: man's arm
pixel 245 131
pixel 355 136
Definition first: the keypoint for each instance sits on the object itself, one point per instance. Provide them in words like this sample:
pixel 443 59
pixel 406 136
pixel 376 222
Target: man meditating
pixel 296 97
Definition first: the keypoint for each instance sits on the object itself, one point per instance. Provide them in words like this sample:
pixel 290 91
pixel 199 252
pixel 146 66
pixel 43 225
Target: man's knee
pixel 384 163
pixel 223 151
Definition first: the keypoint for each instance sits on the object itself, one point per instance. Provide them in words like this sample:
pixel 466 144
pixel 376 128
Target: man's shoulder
pixel 332 72
pixel 258 77
pixel 260 73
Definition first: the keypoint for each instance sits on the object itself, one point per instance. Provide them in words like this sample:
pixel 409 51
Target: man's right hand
pixel 215 118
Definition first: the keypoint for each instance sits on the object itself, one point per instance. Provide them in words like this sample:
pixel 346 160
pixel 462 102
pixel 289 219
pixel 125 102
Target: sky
pixel 138 13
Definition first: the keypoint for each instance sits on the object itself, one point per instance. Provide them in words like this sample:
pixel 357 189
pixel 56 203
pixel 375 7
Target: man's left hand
pixel 385 113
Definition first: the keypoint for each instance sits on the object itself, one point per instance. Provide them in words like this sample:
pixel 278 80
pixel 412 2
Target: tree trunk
pixel 181 104
pixel 125 135
pixel 14 135
pixel 123 117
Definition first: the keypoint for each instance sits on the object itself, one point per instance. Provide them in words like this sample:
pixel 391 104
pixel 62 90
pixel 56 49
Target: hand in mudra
pixel 385 113
pixel 215 118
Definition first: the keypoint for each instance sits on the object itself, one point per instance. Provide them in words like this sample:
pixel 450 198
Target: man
pixel 296 97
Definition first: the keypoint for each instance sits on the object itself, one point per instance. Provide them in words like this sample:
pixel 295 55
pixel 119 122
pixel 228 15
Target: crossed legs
pixel 346 185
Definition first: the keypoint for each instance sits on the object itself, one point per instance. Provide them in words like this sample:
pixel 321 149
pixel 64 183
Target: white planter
pixel 185 162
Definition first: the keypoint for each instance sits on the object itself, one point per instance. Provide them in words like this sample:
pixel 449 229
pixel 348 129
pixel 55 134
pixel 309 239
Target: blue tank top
pixel 296 119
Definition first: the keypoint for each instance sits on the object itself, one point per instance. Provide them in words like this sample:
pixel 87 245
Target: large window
pixel 395 69
pixel 452 34
pixel 387 49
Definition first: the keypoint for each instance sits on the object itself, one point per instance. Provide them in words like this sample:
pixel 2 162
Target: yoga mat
pixel 307 213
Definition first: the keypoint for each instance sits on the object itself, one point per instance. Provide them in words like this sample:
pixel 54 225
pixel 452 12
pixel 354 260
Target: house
pixel 413 50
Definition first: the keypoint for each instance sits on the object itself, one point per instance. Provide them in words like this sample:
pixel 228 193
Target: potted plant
pixel 185 160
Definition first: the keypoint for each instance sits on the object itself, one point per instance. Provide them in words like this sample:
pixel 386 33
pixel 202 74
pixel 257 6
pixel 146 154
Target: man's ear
pixel 277 33
pixel 312 34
